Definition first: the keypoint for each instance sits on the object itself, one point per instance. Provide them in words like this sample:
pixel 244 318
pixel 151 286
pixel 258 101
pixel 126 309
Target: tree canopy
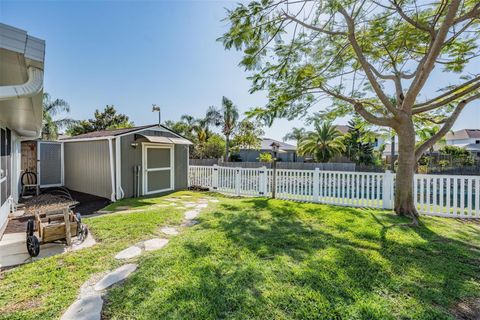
pixel 102 120
pixel 376 58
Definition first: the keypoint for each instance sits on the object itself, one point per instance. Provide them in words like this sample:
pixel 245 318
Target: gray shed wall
pixel 87 167
pixel 132 157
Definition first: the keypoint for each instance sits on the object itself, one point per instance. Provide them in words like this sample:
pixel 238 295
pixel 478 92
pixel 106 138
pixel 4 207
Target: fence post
pixel 316 184
pixel 387 189
pixel 215 177
pixel 263 181
pixel 237 181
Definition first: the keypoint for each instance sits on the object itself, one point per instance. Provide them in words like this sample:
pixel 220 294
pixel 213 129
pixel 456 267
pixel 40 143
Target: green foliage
pixel 247 136
pixel 458 155
pixel 226 118
pixel 296 134
pixel 356 149
pixel 103 120
pixel 50 109
pixel 324 143
pixel 265 157
pixel 214 147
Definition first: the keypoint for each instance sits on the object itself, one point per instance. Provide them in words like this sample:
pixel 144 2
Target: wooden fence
pixel 449 196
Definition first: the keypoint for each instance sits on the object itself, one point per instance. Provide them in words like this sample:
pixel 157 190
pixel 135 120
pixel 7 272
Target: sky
pixel 133 54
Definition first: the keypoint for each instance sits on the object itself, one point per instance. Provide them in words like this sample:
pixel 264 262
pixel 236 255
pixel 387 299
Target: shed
pixel 124 163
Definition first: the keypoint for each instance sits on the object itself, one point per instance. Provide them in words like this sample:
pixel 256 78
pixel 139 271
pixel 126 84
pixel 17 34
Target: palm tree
pixel 50 110
pixel 324 143
pixel 225 117
pixel 296 135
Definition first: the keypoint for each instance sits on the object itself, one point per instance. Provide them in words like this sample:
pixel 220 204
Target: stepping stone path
pixel 192 214
pixel 115 276
pixel 129 253
pixel 155 244
pixel 89 304
pixel 169 231
pixel 86 308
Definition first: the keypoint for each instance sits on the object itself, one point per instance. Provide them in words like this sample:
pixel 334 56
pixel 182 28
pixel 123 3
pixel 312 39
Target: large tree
pixel 359 54
pixel 296 134
pixel 107 119
pixel 225 117
pixel 51 123
pixel 358 146
pixel 248 135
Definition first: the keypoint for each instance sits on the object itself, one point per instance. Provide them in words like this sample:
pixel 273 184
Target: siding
pixel 132 157
pixel 87 167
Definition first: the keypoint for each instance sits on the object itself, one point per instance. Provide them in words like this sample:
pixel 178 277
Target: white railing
pixel 441 195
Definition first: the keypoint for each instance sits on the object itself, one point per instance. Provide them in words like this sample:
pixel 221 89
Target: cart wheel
pixel 33 246
pixel 82 232
pixel 30 227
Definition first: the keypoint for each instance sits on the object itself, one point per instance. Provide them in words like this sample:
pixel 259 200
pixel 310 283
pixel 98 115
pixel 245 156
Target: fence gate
pixel 50 164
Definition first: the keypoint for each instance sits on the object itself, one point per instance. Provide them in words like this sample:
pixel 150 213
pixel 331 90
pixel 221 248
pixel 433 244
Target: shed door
pixel 50 166
pixel 158 168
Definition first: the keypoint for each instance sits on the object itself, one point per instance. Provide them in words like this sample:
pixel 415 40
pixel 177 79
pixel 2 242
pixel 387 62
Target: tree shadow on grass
pixel 267 259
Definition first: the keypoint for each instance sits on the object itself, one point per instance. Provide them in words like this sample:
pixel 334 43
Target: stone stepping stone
pixel 190 205
pixel 129 253
pixel 189 223
pixel 214 200
pixel 170 231
pixel 202 205
pixel 86 308
pixel 115 276
pixel 173 204
pixel 123 208
pixel 155 244
pixel 192 214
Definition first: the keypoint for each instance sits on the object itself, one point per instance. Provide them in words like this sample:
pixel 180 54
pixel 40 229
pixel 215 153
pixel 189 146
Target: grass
pixel 265 259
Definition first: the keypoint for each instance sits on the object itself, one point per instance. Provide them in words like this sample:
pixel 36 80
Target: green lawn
pixel 265 259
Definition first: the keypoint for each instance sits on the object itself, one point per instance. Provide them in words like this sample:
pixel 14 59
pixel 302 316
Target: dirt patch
pixel 467 309
pixel 21 306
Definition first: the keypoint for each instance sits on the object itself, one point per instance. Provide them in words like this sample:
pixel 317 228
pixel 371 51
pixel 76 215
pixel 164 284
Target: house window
pixel 5 164
pixel 477 141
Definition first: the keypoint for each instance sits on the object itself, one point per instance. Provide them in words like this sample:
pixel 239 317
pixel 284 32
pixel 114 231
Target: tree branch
pixel 446 101
pixel 312 27
pixel 427 64
pixel 365 65
pixel 445 128
pixel 414 23
pixel 474 13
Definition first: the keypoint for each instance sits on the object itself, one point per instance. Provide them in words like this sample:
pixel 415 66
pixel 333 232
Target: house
pixel 377 143
pixel 287 153
pixel 468 139
pixel 125 163
pixel 21 91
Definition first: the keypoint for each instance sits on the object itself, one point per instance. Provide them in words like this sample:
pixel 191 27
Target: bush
pixel 265 157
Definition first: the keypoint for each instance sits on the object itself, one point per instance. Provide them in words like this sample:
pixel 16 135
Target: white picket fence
pixel 440 195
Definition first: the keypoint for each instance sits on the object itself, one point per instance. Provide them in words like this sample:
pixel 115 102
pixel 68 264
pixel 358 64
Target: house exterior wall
pixel 460 141
pixel 132 157
pixel 87 167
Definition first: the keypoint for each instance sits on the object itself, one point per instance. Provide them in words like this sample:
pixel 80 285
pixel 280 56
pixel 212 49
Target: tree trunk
pixel 404 198
pixel 227 148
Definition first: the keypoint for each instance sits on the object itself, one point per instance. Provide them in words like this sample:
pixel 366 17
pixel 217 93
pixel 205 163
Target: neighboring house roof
pixel 342 128
pixel 463 134
pixel 266 145
pixel 114 132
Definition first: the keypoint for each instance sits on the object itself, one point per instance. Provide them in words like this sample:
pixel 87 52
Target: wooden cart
pixel 61 224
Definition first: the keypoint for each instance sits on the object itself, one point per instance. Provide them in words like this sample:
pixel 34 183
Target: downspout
pixel 112 170
pixel 28 89
pixel 118 168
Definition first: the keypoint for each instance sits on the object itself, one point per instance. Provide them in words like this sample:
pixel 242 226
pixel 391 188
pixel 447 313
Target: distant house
pixel 468 139
pixel 379 141
pixel 287 153
pixel 21 91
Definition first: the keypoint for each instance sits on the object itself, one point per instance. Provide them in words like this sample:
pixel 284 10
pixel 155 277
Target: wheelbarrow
pixel 55 225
